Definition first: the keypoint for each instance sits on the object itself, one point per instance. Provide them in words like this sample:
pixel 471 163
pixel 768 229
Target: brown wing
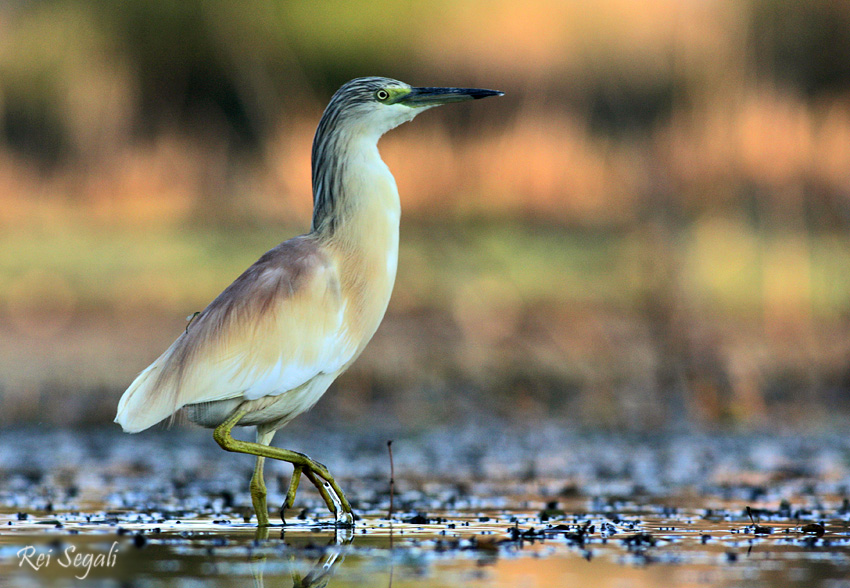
pixel 277 326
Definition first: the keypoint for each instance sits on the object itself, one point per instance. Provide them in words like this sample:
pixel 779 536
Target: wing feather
pixel 276 327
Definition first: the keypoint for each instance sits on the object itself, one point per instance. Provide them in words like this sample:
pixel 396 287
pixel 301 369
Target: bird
pixel 269 346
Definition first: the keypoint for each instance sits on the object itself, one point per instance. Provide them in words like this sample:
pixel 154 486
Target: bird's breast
pixel 367 275
pixel 364 244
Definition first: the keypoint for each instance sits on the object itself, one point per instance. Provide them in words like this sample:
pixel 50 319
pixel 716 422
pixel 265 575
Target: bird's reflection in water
pixel 323 568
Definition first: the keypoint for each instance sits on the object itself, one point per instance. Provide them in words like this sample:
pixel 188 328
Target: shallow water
pixel 471 508
pixel 462 549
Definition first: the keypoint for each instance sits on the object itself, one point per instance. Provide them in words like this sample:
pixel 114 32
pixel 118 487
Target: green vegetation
pixel 181 269
pixel 655 215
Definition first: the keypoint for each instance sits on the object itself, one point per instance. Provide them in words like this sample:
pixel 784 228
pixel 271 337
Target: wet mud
pixel 477 506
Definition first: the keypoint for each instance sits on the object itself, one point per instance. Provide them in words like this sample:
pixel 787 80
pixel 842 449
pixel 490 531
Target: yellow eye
pixel 382 95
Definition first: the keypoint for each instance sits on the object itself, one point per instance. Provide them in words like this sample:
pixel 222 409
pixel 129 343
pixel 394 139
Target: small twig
pixel 392 477
pixel 390 516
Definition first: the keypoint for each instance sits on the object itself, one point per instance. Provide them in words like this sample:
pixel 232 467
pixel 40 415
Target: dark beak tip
pixel 478 94
pixel 436 96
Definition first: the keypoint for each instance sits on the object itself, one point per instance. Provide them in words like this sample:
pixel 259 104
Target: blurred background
pixel 649 230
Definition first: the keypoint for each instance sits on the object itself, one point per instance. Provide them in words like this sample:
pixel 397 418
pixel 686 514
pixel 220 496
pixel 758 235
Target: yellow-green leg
pixel 258 484
pixel 290 493
pixel 317 473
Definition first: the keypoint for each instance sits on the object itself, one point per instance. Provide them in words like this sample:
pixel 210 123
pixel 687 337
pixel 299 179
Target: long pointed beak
pixel 420 97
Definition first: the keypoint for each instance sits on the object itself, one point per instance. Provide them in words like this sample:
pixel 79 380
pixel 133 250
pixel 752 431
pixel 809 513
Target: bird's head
pixel 375 105
pixel 358 114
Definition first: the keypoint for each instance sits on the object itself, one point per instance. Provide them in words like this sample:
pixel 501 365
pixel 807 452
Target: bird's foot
pixel 328 489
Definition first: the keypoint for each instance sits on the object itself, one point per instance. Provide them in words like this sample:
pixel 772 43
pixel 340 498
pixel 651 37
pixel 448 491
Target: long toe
pixel 345 519
pixel 330 498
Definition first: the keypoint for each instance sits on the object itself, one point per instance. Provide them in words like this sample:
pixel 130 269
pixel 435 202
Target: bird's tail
pixel 140 406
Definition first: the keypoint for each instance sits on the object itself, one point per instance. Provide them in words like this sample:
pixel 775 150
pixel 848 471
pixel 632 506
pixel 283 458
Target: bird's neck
pixel 355 195
pixel 356 216
pixel 356 204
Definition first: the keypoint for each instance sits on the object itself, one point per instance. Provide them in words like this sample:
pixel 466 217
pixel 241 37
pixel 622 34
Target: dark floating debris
pixel 756 528
pixel 814 528
pixel 487 543
pixel 550 512
pixel 639 540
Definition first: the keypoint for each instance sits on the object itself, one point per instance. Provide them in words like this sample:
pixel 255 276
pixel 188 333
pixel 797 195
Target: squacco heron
pixel 268 347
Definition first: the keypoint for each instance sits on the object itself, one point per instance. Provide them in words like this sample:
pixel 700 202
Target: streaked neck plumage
pixel 352 186
pixel 356 214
